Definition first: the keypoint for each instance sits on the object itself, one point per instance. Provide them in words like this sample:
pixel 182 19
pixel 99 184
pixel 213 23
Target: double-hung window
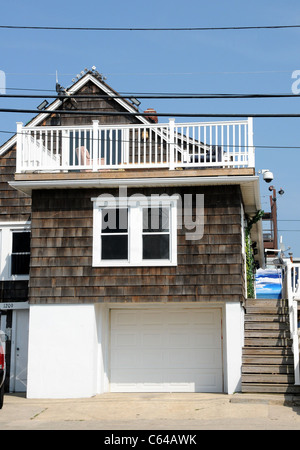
pixel 135 231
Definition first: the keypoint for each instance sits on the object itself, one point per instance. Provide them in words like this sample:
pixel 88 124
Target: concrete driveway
pixel 153 412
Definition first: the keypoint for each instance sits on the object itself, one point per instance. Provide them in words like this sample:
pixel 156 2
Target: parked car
pixel 2 367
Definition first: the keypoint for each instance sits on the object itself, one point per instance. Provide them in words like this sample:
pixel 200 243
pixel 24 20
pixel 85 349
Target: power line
pixel 28 89
pixel 142 141
pixel 119 113
pixel 161 73
pixel 266 27
pixel 161 96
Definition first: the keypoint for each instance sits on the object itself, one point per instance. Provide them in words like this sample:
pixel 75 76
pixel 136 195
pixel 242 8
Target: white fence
pixel 171 145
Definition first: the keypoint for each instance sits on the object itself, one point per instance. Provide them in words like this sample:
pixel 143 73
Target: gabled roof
pixel 89 76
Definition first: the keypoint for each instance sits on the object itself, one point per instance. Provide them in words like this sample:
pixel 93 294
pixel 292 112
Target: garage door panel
pixel 125 339
pixel 153 339
pixel 166 351
pixel 192 338
pixel 206 318
pixel 124 318
pixel 194 359
pixel 124 360
pixel 132 380
pixel 206 339
pixel 150 318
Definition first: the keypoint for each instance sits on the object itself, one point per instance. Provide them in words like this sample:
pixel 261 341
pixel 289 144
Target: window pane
pixel 114 220
pixel 156 246
pixel 114 247
pixel 21 242
pixel 156 219
pixel 20 264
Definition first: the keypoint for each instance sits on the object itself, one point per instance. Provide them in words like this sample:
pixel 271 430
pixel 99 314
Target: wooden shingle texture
pixel 211 269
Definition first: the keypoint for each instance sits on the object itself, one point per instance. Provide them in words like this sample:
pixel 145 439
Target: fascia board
pixel 28 186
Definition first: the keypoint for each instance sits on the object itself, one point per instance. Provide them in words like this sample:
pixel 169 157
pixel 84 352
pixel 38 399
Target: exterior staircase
pixel 268 362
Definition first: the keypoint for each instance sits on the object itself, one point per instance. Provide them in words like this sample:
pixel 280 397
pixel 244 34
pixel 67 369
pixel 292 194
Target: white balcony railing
pixel 95 147
pixel 291 290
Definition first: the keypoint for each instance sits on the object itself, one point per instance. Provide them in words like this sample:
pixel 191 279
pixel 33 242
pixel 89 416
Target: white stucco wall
pixel 233 329
pixel 63 351
pixel 69 349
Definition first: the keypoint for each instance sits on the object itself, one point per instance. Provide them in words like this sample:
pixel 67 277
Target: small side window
pixel 20 256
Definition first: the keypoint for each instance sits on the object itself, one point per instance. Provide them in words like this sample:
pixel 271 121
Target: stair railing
pixel 291 290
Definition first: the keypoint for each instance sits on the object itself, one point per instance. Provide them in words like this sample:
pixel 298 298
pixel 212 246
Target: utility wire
pixel 151 96
pixel 23 27
pixel 142 142
pixel 118 113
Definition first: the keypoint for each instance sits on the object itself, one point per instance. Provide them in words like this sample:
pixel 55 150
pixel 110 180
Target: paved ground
pixel 153 412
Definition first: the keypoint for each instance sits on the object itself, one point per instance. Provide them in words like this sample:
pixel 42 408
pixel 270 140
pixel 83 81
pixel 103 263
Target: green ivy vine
pixel 250 264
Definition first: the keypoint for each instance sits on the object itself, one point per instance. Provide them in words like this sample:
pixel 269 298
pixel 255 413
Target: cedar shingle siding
pixel 14 206
pixel 211 269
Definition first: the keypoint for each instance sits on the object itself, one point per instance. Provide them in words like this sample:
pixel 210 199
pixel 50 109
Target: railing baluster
pixel 156 146
pixel 150 146
pixel 139 146
pixel 133 147
pixel 216 145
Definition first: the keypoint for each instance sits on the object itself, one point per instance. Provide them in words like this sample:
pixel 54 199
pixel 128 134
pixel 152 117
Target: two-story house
pixel 131 234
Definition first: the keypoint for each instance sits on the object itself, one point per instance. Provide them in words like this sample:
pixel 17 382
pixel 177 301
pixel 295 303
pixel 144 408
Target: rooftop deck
pixel 99 149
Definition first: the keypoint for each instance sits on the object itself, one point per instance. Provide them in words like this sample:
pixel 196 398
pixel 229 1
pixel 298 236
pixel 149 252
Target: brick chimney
pixel 153 118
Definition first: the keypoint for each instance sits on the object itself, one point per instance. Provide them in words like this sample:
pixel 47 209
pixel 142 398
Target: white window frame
pixel 135 205
pixel 6 233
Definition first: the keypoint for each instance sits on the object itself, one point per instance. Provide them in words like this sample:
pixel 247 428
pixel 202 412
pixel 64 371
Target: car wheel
pixel 1 395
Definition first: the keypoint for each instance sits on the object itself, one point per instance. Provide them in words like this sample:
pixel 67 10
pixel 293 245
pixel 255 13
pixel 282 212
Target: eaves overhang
pixel 249 186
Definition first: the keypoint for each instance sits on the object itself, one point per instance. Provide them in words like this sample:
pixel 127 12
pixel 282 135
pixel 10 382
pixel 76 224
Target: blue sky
pixel 245 61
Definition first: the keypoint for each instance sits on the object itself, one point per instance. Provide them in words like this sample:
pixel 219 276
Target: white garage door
pixel 166 350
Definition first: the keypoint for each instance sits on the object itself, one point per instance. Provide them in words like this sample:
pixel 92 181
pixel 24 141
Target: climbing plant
pixel 250 265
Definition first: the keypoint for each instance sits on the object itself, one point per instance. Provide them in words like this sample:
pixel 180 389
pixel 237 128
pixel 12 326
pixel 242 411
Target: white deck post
pixel 19 150
pixel 172 144
pixel 95 153
pixel 251 150
pixel 65 149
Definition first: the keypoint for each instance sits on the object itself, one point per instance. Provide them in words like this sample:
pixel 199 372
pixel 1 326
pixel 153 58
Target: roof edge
pixel 35 121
